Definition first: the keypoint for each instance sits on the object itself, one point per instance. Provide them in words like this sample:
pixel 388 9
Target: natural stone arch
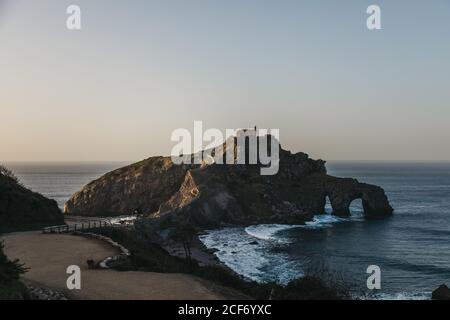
pixel 342 192
pixel 340 202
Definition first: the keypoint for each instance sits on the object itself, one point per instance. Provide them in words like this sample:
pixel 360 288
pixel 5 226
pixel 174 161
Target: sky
pixel 138 70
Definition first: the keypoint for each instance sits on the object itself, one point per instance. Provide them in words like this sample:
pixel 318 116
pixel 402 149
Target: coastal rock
pixel 23 209
pixel 45 294
pixel 138 188
pixel 213 195
pixel 441 293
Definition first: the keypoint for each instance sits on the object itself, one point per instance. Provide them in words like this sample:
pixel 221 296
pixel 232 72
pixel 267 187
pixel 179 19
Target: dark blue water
pixel 412 247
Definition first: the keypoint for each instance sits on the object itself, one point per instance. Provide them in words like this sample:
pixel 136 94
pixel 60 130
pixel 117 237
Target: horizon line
pixel 134 161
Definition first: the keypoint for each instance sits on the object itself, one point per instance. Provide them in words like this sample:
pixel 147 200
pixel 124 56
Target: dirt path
pixel 48 256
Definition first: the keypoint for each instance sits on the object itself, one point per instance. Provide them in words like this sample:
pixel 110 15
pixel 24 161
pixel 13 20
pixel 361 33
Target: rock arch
pixel 342 192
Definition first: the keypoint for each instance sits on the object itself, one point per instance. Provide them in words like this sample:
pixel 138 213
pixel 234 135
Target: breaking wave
pixel 254 258
pixel 257 252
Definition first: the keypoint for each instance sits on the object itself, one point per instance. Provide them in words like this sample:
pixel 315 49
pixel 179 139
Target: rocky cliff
pixel 139 188
pixel 210 195
pixel 22 209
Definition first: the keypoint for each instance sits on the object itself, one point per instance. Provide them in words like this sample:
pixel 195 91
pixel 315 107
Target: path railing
pixel 82 226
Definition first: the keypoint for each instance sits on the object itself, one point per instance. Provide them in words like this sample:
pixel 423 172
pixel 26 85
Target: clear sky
pixel 140 69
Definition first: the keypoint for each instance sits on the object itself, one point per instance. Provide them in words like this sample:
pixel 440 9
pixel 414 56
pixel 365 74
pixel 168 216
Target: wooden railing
pixel 93 224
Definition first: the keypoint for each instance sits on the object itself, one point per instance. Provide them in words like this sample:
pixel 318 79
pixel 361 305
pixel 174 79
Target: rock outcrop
pixel 139 188
pixel 22 209
pixel 441 293
pixel 156 185
pixel 211 195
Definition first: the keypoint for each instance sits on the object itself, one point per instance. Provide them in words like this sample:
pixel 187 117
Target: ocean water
pixel 412 247
pixel 60 180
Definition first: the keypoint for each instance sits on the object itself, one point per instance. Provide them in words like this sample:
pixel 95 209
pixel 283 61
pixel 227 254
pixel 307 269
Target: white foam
pixel 120 220
pixel 272 231
pixel 323 221
pixel 258 261
pixel 402 296
pixel 255 261
pixel 267 231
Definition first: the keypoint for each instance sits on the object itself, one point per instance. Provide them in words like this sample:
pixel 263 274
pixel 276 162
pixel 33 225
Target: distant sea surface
pixel 412 247
pixel 60 180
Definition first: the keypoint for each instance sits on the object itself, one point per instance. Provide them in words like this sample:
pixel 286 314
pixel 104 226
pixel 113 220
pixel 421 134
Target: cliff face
pixel 140 187
pixel 22 209
pixel 210 195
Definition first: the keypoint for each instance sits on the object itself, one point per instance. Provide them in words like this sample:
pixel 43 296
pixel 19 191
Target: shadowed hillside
pixel 21 209
pixel 10 271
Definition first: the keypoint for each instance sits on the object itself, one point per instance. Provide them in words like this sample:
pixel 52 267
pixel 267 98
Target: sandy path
pixel 48 256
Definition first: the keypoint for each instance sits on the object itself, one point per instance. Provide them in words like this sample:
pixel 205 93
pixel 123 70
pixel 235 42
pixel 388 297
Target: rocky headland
pixel 206 196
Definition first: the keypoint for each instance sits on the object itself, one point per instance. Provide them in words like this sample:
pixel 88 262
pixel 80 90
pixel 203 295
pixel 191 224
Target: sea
pixel 411 248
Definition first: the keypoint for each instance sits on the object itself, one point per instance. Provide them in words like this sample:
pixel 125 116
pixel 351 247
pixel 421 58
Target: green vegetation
pixel 318 284
pixel 10 286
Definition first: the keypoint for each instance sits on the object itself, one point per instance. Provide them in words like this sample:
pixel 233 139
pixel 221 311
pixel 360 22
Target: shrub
pixel 8 173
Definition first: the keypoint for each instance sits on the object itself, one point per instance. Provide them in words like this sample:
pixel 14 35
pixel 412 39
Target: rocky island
pixel 208 196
